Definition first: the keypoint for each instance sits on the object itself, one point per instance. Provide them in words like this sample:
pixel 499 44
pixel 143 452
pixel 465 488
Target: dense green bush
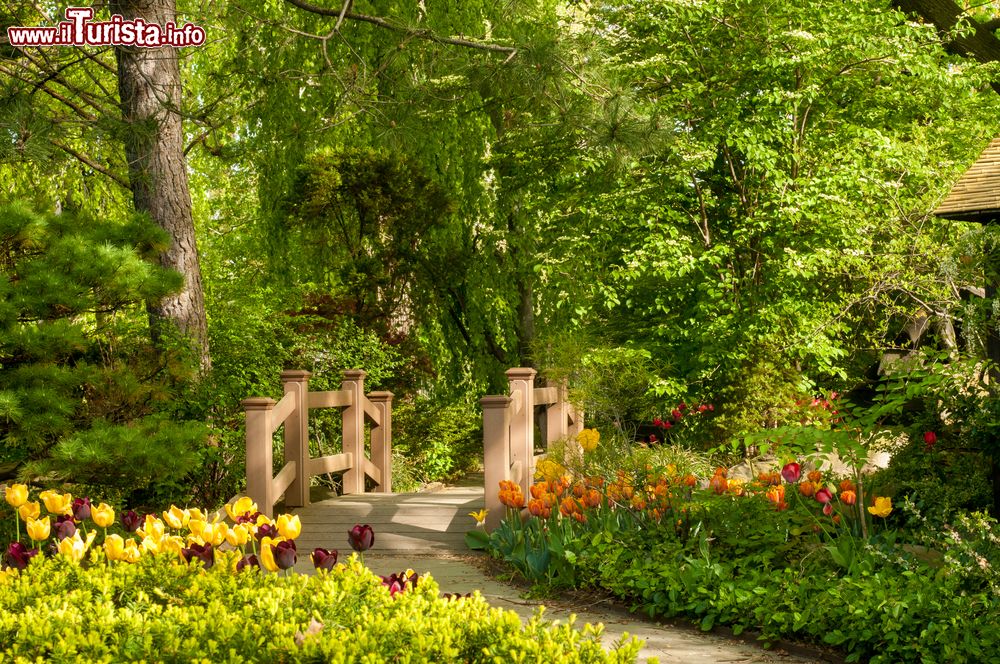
pixel 436 440
pixel 157 609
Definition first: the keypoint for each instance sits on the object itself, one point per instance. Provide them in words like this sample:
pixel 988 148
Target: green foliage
pixel 436 440
pixel 80 386
pixel 157 609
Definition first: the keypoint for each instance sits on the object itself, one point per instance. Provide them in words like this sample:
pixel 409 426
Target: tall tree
pixel 149 85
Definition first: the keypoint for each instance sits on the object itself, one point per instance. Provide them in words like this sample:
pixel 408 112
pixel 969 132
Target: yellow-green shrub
pixel 158 610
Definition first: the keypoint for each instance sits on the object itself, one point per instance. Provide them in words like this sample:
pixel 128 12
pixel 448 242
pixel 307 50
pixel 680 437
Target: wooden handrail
pixel 265 416
pixel 509 438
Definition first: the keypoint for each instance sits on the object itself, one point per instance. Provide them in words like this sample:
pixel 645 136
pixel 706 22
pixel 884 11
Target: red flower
pixel 676 414
pixel 824 496
pixel 828 508
pixel 361 538
pixel 791 472
pixel 930 438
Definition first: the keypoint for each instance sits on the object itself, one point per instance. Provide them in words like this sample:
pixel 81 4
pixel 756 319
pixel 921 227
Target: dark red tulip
pixel 930 438
pixel 248 517
pixel 397 582
pixel 791 472
pixel 81 509
pixel 824 496
pixel 266 530
pixel 682 406
pixel 828 509
pixel 361 537
pixel 676 414
pixel 249 560
pixel 657 422
pixel 284 554
pixel 324 558
pixel 64 527
pixel 203 552
pixel 18 555
pixel 652 439
pixel 131 521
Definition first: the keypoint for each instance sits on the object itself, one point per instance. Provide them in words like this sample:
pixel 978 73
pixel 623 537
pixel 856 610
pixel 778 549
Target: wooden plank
pixel 371 413
pixel 333 463
pixel 281 411
pixel 371 471
pixel 546 395
pixel 284 478
pixel 331 399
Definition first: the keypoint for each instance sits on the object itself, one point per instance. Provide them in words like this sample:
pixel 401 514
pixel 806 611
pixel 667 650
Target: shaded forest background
pixel 660 201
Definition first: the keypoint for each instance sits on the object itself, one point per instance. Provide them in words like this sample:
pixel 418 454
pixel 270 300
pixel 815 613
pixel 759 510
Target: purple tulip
pixel 267 530
pixel 324 558
pixel 284 554
pixel 64 527
pixel 18 555
pixel 399 581
pixel 203 552
pixel 81 509
pixel 249 517
pixel 361 537
pixel 249 560
pixel 131 521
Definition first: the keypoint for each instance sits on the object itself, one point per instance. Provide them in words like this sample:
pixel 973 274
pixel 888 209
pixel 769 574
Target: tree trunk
pixel 149 85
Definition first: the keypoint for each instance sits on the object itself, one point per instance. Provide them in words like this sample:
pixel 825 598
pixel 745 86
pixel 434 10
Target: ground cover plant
pixel 789 554
pixel 79 584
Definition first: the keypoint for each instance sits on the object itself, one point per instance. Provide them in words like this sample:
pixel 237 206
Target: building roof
pixel 976 195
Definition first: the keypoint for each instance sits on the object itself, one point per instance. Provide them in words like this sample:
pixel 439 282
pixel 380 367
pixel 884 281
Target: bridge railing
pixel 509 434
pixel 264 416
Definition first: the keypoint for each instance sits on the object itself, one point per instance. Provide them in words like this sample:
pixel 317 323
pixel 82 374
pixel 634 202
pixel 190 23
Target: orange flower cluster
pixel 571 508
pixel 776 494
pixel 719 483
pixel 621 490
pixel 511 494
pixel 769 479
pixel 807 488
pixel 815 476
pixel 848 485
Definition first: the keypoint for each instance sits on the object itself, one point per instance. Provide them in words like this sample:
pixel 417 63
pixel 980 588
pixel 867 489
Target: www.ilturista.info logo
pixel 79 30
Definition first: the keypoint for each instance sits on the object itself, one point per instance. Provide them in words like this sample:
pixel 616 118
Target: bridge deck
pixel 432 522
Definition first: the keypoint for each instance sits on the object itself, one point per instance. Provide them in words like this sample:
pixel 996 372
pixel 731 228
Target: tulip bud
pixel 324 559
pixel 131 521
pixel 39 529
pixel 18 556
pixel 64 527
pixel 81 509
pixel 791 472
pixel 16 495
pixel 361 538
pixel 103 515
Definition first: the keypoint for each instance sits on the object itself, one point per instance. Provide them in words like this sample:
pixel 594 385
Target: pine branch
pixel 92 163
pixel 343 13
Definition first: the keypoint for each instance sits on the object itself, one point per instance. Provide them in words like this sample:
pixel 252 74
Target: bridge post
pixel 259 452
pixel 382 438
pixel 496 454
pixel 297 436
pixel 354 430
pixel 522 424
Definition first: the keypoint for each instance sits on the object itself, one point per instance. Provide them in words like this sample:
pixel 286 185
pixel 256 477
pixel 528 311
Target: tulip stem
pixel 17 525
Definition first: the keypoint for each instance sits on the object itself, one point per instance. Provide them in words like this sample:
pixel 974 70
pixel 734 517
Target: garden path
pixel 425 531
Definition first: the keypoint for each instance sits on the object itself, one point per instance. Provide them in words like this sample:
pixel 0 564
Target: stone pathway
pixel 425 532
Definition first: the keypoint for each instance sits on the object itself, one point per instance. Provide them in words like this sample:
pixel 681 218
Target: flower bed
pixel 791 554
pixel 187 587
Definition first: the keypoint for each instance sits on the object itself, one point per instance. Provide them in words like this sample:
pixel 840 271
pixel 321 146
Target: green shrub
pixel 156 609
pixel 436 440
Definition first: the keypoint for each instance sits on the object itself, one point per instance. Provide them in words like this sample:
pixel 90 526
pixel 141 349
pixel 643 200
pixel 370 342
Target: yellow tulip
pixel 262 520
pixel 16 494
pixel 151 545
pixel 289 526
pixel 39 529
pixel 131 554
pixel 57 503
pixel 153 528
pixel 172 544
pixel 30 510
pixel 74 547
pixel 588 439
pixel 176 518
pixel 267 556
pixel 480 517
pixel 103 515
pixel 238 535
pixel 198 528
pixel 882 507
pixel 242 506
pixel 114 547
pixel 195 513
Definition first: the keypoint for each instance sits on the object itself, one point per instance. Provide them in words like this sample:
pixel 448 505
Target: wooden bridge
pixel 428 522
